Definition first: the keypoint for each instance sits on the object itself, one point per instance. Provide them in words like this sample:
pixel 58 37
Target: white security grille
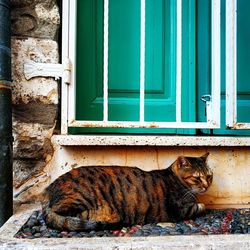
pixel 68 91
pixel 231 67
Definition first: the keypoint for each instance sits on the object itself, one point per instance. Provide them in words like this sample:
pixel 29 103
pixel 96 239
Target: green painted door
pixel 124 63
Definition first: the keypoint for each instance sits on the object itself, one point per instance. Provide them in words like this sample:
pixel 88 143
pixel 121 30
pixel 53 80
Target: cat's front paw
pixel 201 207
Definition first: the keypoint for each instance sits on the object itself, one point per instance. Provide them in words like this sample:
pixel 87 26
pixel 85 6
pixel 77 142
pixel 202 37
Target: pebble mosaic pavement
pixel 226 221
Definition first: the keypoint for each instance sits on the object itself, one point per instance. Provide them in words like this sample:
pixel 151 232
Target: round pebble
pixel 37 235
pixel 32 222
pixel 43 228
pixel 64 234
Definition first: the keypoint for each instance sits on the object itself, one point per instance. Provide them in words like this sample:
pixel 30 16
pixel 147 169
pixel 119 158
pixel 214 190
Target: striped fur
pixel 106 197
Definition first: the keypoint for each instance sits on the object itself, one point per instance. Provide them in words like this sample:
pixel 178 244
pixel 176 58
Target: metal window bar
pixel 213 120
pixel 105 60
pixel 213 108
pixel 178 59
pixel 142 60
pixel 231 67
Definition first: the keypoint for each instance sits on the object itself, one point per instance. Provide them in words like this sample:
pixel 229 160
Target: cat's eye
pixel 196 179
pixel 210 178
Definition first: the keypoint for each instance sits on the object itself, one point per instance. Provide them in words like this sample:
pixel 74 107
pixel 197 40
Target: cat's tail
pixel 69 223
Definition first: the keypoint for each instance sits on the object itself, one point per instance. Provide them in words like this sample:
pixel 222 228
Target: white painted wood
pixel 213 108
pixel 178 58
pixel 231 63
pixel 134 124
pixel 231 67
pixel 105 60
pixel 72 57
pixel 65 54
pixel 142 61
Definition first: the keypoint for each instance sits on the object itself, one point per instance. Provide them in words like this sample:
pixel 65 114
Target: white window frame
pixel 231 67
pixel 68 90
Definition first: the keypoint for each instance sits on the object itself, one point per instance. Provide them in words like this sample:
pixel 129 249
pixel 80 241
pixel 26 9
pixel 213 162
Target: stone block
pixel 35 112
pixel 35 18
pixel 32 140
pixel 41 89
pixel 21 3
pixel 24 170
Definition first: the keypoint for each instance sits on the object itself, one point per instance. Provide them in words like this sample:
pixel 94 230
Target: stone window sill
pixel 148 140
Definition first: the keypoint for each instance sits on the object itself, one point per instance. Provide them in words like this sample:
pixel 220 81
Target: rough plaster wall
pixel 35 25
pixel 231 167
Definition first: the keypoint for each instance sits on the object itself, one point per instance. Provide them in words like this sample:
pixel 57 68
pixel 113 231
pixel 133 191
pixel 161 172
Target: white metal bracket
pixel 34 69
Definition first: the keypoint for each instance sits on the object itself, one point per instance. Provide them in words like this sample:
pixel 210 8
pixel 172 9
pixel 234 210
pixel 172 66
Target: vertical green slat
pixel 89 60
pixel 124 60
pixel 188 96
pixel 203 72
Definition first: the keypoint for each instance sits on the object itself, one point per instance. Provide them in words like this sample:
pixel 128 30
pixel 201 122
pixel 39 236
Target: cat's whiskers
pixel 188 195
pixel 197 190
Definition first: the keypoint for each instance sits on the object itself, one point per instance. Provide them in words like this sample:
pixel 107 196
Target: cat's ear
pixel 204 157
pixel 183 162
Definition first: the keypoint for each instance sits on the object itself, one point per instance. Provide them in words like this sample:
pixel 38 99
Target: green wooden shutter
pixel 124 56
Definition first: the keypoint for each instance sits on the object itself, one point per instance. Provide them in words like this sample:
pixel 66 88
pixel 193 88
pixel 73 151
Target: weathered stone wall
pixel 35 26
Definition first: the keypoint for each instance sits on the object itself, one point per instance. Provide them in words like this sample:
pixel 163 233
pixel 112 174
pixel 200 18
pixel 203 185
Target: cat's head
pixel 193 172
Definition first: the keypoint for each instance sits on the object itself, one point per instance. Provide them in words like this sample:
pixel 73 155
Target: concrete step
pixel 201 242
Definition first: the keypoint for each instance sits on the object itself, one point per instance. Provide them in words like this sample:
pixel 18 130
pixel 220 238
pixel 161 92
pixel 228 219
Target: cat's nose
pixel 205 184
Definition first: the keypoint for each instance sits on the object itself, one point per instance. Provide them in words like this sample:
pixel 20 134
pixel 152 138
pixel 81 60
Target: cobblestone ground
pixel 229 221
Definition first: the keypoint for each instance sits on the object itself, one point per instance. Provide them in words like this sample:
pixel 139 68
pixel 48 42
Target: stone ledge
pixel 201 242
pixel 148 140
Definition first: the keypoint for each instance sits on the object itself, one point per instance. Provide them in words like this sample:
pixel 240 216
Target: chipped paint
pixel 241 125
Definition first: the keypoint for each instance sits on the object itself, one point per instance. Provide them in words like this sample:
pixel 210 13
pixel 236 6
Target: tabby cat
pixel 109 197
